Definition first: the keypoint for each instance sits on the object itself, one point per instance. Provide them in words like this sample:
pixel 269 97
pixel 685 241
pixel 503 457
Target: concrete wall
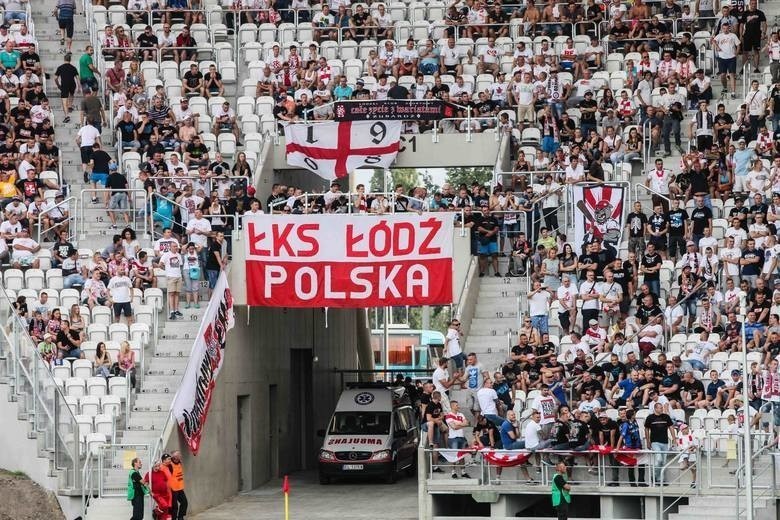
pixel 259 354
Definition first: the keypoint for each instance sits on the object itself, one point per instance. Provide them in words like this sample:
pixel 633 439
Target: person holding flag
pixel 457 423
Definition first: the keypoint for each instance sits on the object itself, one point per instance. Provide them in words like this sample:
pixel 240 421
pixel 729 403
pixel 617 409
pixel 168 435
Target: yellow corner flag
pixel 286 491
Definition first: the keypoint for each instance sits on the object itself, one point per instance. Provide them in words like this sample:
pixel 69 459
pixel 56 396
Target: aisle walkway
pixel 308 499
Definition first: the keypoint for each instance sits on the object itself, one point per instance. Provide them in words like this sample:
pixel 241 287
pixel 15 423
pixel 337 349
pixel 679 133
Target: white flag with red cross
pixel 333 149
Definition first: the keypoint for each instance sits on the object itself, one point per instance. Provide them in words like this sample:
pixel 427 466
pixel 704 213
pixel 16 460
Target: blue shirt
pixel 741 160
pixel 628 386
pixel 342 92
pixel 712 388
pixel 630 433
pixel 751 328
pixel 504 430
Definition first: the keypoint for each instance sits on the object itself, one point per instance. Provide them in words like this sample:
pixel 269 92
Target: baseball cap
pixel 593 322
pixel 689 243
pixel 588 93
pixel 530 357
pixel 683 426
pixel 736 372
pixel 360 82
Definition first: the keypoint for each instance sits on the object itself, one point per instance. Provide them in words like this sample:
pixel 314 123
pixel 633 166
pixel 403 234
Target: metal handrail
pixel 132 209
pixel 649 190
pixel 744 469
pixel 697 488
pixel 154 195
pixel 457 307
pixel 71 218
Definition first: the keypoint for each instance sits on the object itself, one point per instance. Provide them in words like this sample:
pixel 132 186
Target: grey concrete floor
pixel 341 500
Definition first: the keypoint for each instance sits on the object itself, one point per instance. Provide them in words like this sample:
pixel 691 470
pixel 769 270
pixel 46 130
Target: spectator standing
pixel 119 201
pixel 120 289
pixel 215 261
pixel 136 490
pixel 157 481
pixel 192 275
pixel 539 307
pixel 66 78
pixel 171 262
pixel 454 350
pixel 659 429
pixel 561 497
pixel 178 496
pixel 457 424
pixel 630 440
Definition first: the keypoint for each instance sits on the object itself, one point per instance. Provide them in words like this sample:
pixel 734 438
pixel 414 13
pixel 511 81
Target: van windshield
pixel 360 423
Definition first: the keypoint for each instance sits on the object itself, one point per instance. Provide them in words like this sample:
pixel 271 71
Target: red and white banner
pixel 502 458
pixel 349 261
pixel 191 404
pixel 333 150
pixel 598 214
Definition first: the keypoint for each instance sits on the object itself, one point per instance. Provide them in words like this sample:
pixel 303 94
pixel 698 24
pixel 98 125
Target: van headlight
pixel 381 455
pixel 327 455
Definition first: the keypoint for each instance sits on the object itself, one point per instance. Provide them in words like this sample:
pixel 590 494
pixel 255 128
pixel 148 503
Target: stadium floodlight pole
pixel 748 466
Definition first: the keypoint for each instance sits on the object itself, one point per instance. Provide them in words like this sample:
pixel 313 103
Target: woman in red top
pixel 161 493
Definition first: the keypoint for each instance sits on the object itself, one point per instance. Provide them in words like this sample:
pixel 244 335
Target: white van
pixel 373 432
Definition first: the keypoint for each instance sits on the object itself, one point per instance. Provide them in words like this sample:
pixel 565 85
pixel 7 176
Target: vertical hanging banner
pixel 191 404
pixel 348 261
pixel 598 213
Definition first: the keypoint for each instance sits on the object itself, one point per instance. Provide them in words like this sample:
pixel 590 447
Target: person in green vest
pixel 136 490
pixel 560 491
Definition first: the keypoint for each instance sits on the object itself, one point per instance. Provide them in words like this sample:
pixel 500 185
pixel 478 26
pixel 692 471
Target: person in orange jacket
pixel 176 483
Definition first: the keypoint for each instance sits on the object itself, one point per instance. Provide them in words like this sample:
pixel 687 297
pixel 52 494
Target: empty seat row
pixel 92 405
pixel 99 386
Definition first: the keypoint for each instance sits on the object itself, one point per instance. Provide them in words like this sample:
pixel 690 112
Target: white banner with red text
pixel 349 261
pixel 191 404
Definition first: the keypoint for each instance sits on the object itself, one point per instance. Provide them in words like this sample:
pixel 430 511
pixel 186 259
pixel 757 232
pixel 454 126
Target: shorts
pixel 450 69
pixel 687 457
pixel 457 443
pixel 212 276
pixel 190 285
pixel 659 242
pixel 118 201
pixel 98 178
pixel 123 308
pixel 489 249
pixel 727 65
pixel 67 91
pixel 459 360
pixel 67 25
pixel 86 154
pixel 174 284
pixel 750 44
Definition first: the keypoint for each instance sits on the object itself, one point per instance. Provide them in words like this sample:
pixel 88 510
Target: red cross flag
pixel 332 150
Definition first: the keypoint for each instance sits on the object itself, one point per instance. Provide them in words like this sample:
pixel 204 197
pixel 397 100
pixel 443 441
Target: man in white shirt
pixel 726 45
pixel 24 249
pixel 442 382
pixel 539 307
pixel 198 230
pixel 699 354
pixel 171 262
pixel 736 232
pixel 546 405
pixel 756 106
pixel 567 304
pixel 454 349
pixel 673 316
pixel 456 436
pixel 120 289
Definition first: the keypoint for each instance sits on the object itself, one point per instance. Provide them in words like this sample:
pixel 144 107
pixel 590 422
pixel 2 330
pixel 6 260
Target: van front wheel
pixel 390 477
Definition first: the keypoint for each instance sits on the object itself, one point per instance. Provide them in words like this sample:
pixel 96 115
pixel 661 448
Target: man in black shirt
pixel 635 223
pixel 647 307
pixel 678 227
pixel 722 124
pixel 759 206
pixel 625 280
pixel 588 261
pixel 659 430
pixel 119 201
pixel 69 341
pixel 487 230
pixel 588 108
pixel 670 384
pixel 650 266
pixel 98 165
pixel 147 41
pixel 753 26
pixel 701 217
pixel 658 227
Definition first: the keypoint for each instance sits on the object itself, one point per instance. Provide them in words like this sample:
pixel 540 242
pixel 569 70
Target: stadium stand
pixel 179 100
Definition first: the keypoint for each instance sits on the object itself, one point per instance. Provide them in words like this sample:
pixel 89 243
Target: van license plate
pixel 352 467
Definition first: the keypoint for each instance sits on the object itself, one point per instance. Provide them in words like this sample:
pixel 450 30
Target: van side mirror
pixel 321 433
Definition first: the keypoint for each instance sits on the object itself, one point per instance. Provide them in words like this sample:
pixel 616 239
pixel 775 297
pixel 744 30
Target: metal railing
pixel 39 396
pixel 132 210
pixel 694 488
pixel 70 221
pixel 175 204
pixel 744 474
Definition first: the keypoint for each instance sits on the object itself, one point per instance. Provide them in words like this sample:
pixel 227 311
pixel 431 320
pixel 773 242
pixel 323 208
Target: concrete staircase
pixel 495 316
pixel 722 507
